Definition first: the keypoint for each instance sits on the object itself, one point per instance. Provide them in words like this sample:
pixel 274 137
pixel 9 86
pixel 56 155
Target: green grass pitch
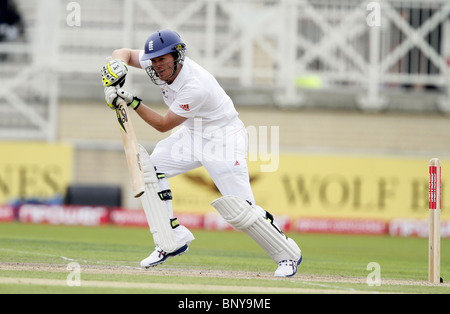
pixel 34 259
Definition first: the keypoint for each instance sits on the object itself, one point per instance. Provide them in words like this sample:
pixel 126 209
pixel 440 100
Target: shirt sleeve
pixel 189 102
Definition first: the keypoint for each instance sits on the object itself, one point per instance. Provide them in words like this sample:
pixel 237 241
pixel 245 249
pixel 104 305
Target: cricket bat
pixel 132 152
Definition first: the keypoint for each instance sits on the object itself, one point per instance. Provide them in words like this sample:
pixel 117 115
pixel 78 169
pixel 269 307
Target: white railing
pixel 367 48
pixel 29 79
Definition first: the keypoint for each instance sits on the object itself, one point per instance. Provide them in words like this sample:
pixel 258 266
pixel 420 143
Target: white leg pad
pixel 155 208
pixel 245 217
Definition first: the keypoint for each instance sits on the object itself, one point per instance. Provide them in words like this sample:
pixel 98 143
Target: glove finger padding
pixel 111 96
pixel 114 73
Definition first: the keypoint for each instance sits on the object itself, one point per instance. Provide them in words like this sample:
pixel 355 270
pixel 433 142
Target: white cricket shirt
pixel 195 94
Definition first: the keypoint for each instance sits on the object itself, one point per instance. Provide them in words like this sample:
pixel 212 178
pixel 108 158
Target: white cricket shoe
pixel 287 268
pixel 159 256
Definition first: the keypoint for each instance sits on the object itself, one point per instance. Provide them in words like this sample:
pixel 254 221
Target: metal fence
pixel 283 47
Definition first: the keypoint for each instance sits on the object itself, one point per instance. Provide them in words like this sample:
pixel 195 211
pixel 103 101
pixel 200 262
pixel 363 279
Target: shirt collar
pixel 181 77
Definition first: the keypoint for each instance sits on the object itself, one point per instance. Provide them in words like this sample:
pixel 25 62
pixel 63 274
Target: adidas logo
pixel 185 107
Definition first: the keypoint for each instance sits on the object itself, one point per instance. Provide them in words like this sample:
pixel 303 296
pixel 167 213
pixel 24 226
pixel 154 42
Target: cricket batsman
pixel 211 136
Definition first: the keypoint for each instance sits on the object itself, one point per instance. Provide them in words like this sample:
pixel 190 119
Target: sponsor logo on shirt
pixel 185 107
pixel 164 92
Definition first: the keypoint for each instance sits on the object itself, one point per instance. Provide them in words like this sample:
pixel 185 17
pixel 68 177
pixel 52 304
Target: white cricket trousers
pixel 223 153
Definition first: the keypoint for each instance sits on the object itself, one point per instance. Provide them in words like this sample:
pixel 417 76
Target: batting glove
pixel 111 96
pixel 112 93
pixel 132 101
pixel 114 73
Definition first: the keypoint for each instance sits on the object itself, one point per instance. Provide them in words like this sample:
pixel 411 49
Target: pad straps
pixel 174 223
pixel 165 195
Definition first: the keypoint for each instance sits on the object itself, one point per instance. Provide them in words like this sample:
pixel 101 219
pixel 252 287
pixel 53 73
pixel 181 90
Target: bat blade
pixel 131 147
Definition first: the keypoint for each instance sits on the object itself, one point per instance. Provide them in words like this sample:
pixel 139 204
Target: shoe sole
pixel 178 252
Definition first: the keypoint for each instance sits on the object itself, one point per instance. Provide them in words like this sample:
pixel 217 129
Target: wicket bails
pixel 434 208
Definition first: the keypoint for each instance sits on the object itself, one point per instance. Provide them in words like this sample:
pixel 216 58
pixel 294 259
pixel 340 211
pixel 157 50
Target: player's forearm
pixel 161 123
pixel 152 117
pixel 129 56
